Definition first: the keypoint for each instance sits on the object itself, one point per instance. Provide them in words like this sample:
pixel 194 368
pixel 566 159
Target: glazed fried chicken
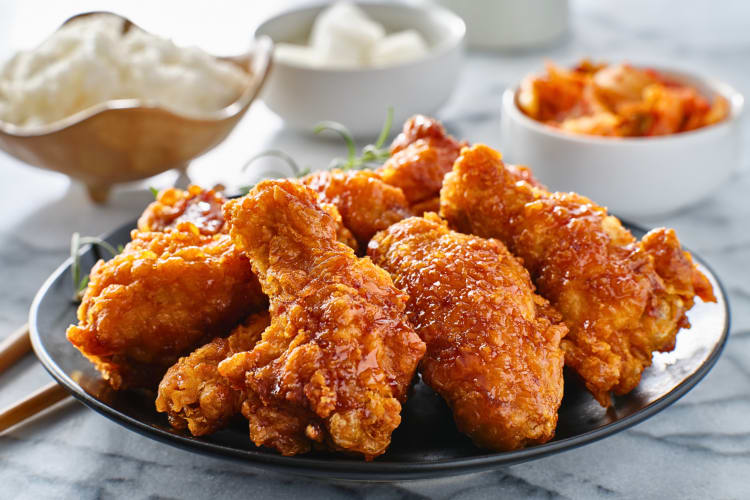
pixel 334 366
pixel 428 205
pixel 192 392
pixel 179 283
pixel 165 294
pixel 201 207
pixel 420 156
pixel 621 299
pixel 493 345
pixel 366 203
pixel 343 234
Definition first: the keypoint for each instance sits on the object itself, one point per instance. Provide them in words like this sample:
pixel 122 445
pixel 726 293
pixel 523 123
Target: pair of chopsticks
pixel 16 346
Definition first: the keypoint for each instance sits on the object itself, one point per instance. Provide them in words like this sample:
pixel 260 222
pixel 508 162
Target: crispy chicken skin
pixel 335 365
pixel 179 283
pixel 622 299
pixel 366 203
pixel 420 156
pixel 192 392
pixel 493 345
pixel 164 295
pixel 202 207
pixel 343 234
pixel 428 205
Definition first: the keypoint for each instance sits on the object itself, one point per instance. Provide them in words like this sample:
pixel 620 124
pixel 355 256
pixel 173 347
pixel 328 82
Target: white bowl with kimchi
pixel 644 142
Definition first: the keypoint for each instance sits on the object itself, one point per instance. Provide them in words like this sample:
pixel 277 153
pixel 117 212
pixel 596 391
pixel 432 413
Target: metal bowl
pixel 130 139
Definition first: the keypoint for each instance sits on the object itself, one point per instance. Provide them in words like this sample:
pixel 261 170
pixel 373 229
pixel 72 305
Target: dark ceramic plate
pixel 427 442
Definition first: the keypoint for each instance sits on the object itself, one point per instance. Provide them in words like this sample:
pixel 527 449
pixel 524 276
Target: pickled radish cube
pixel 397 48
pixel 338 52
pixel 344 35
pixel 300 55
pixel 345 19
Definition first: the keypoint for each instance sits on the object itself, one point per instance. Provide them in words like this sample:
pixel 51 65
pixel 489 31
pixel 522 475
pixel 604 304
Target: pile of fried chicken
pixel 310 304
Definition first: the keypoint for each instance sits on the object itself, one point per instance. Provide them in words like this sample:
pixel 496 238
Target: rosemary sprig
pixel 270 174
pixel 371 156
pixel 76 242
pixel 340 129
pixel 386 130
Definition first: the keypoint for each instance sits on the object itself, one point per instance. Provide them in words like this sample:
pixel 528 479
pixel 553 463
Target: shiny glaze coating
pixel 201 207
pixel 366 203
pixel 343 234
pixel 192 392
pixel 336 363
pixel 493 345
pixel 420 156
pixel 429 205
pixel 621 299
pixel 164 295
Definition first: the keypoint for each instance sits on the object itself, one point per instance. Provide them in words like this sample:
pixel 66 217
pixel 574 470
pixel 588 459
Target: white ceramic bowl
pixel 633 177
pixel 511 24
pixel 359 98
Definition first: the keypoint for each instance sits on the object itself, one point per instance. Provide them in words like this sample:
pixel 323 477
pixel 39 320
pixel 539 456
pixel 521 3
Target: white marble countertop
pixel 698 448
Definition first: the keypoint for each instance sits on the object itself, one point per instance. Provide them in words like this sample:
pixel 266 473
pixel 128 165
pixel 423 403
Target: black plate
pixel 426 443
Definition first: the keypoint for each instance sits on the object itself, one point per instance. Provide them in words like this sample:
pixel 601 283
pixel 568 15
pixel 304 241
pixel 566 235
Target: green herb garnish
pixel 273 174
pixel 154 192
pixel 76 242
pixel 371 156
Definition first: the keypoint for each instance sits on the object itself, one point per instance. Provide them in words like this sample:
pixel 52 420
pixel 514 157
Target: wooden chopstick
pixel 14 347
pixel 26 408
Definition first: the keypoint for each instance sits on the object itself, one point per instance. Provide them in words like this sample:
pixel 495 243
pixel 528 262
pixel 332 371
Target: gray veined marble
pixel 698 448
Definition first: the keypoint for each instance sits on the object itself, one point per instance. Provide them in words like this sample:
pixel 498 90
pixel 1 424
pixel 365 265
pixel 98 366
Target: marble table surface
pixel 698 448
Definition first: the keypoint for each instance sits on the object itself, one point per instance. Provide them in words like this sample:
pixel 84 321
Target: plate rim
pixel 374 470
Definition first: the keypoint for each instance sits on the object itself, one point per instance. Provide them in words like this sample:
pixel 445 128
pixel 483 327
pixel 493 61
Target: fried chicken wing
pixel 343 234
pixel 622 299
pixel 337 360
pixel 165 294
pixel 192 392
pixel 201 207
pixel 366 203
pixel 420 156
pixel 179 283
pixel 493 345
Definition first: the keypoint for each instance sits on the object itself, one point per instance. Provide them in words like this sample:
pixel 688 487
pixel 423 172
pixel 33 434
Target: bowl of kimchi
pixel 643 141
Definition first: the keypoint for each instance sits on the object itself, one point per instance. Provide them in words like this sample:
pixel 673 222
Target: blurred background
pixel 670 34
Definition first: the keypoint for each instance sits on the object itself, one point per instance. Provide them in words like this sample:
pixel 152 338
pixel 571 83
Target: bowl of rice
pixel 105 102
